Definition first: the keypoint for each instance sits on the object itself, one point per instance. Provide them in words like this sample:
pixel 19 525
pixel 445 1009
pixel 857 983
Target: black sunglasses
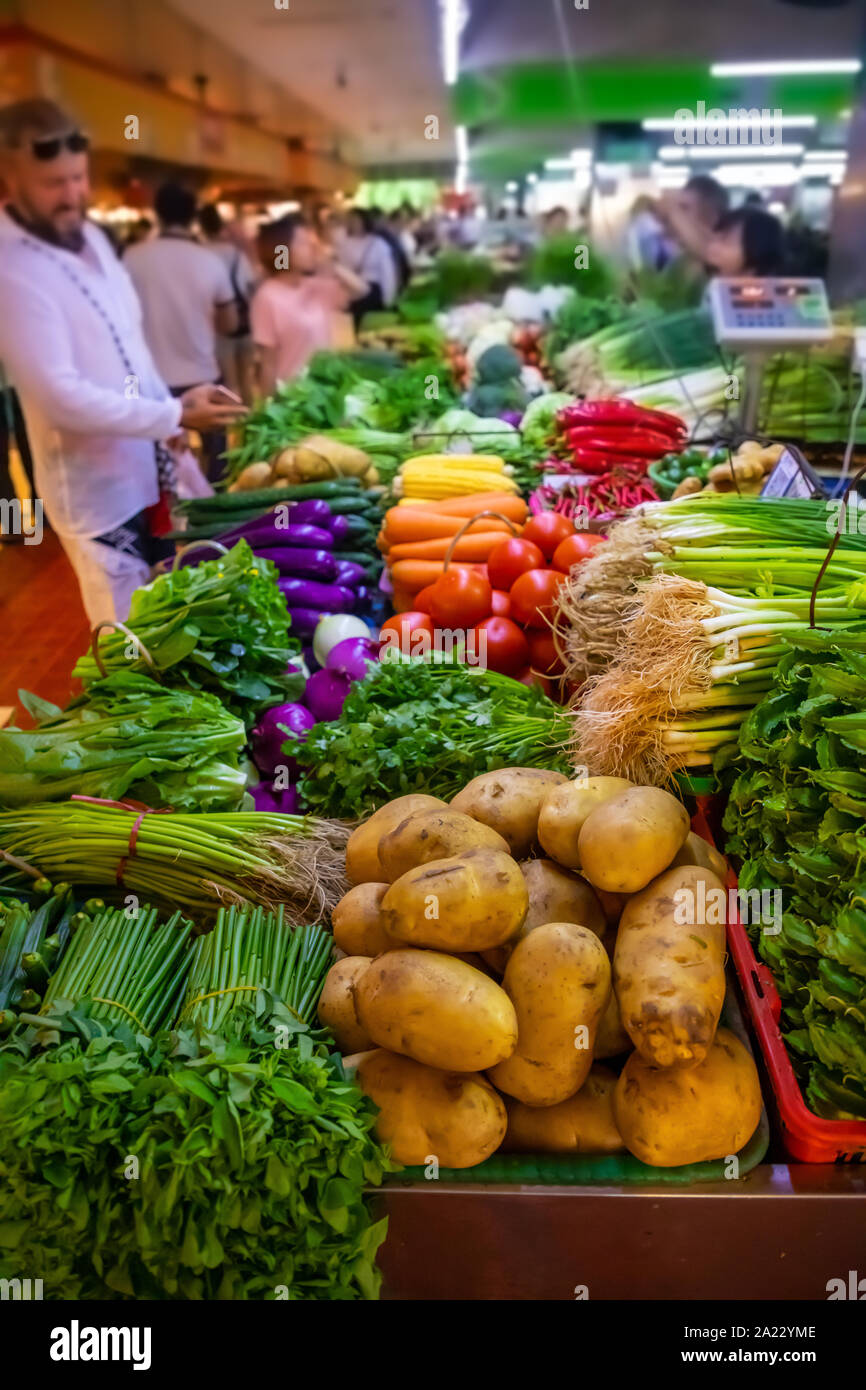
pixel 49 148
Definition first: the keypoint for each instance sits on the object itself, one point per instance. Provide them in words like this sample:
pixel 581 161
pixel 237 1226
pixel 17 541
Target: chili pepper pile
pixel 608 494
pixel 596 435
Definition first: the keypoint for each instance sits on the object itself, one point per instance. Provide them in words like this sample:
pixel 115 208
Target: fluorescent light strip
pixel 563 164
pixel 822 156
pixel 794 67
pixel 664 123
pixel 581 157
pixel 452 15
pixel 780 151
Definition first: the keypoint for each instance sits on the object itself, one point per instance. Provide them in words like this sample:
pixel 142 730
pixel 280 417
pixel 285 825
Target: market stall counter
pixel 781 1232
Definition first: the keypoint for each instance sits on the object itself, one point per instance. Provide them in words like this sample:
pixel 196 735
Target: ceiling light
pixel 511 186
pixel 721 151
pixel 532 178
pixel 729 123
pixel 794 67
pixel 823 155
pixel 565 164
pixel 581 157
pixel 452 17
pixel 760 175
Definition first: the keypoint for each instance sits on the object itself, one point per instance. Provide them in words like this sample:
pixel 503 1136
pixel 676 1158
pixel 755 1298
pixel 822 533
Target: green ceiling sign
pixel 551 92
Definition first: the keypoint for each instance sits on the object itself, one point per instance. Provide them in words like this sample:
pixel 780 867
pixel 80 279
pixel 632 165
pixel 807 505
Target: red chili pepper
pixel 619 412
pixel 631 443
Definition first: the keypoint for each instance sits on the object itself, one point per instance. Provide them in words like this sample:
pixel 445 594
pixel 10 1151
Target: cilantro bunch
pixel 414 726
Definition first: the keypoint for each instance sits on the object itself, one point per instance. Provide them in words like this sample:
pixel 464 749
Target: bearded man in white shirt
pixel 71 342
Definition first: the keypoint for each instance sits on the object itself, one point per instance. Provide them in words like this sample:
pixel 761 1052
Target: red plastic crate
pixel 806 1136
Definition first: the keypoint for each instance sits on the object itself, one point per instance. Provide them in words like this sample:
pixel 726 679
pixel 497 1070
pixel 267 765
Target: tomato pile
pixel 505 608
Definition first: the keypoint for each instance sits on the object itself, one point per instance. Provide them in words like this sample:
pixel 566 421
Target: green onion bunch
pixel 130 968
pixel 251 950
pixel 190 861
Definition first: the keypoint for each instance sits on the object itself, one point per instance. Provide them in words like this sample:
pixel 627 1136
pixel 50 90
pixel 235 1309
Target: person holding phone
pixel 97 411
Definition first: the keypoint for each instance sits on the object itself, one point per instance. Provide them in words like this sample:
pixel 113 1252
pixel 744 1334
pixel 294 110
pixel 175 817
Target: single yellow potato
pixel 564 810
pixel 362 850
pixel 470 902
pixel 509 802
pixel 583 1124
pixel 555 895
pixel 669 966
pixel 668 1117
pixel 433 834
pixel 337 1004
pixel 631 838
pixel 696 850
pixel 357 921
pixel 454 1118
pixel 558 978
pixel 437 1010
pixel 611 1040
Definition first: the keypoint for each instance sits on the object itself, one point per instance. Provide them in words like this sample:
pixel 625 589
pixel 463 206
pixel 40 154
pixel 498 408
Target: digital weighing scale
pixel 757 317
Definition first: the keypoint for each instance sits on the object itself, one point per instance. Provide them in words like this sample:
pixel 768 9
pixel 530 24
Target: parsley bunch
pixel 413 726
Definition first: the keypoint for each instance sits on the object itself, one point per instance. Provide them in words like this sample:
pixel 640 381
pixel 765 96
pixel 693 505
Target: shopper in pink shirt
pixel 294 311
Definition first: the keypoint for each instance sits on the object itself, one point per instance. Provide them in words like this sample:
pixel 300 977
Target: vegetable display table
pixel 780 1233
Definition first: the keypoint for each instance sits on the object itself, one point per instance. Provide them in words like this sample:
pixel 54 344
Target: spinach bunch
pixel 796 819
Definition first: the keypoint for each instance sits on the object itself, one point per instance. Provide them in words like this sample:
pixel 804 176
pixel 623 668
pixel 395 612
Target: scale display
pixel 772 312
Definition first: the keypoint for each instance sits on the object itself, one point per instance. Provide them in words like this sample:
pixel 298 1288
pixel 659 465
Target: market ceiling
pixel 526 68
pixel 372 67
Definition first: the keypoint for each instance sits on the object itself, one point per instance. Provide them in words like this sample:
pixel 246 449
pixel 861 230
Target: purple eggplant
pixel 303 564
pixel 328 598
pixel 304 621
pixel 339 528
pixel 348 573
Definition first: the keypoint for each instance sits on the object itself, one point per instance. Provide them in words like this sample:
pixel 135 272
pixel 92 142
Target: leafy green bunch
pixel 797 819
pixel 128 734
pixel 221 626
pixel 414 726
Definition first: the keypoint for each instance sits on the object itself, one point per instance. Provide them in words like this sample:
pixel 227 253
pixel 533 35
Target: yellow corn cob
pixel 458 460
pixel 452 485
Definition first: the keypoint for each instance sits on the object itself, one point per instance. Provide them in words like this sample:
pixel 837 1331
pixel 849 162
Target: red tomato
pixel 547 531
pixel 422 600
pixel 407 630
pixel 574 550
pixel 543 656
pixel 532 597
pixel 511 558
pixel 460 598
pixel 501 646
pixel 500 604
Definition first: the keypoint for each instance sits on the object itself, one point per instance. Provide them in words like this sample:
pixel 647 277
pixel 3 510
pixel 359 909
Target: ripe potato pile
pixel 522 970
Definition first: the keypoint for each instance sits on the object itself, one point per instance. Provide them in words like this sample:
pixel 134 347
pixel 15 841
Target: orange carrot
pixel 505 502
pixel 405 524
pixel 474 547
pixel 415 575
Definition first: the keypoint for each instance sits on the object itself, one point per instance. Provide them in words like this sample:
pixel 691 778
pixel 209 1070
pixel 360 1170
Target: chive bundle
pixel 130 968
pixel 248 950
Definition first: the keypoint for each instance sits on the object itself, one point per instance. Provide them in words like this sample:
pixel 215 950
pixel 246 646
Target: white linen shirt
pixel 91 428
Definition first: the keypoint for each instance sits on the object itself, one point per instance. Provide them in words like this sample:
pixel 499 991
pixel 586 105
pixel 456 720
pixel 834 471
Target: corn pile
pixel 431 476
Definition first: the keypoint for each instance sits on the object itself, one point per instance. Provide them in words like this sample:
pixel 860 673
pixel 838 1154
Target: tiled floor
pixel 43 629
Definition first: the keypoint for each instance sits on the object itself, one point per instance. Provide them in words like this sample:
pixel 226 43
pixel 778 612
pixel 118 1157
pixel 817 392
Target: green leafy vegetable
pixel 127 735
pixel 411 726
pixel 220 626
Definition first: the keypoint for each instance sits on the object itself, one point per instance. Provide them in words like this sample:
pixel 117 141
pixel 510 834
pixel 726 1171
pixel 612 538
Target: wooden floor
pixel 43 629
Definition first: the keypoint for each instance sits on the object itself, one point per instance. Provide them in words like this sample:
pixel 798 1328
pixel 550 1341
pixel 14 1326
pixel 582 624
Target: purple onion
pixel 352 655
pixel 284 802
pixel 276 727
pixel 326 693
